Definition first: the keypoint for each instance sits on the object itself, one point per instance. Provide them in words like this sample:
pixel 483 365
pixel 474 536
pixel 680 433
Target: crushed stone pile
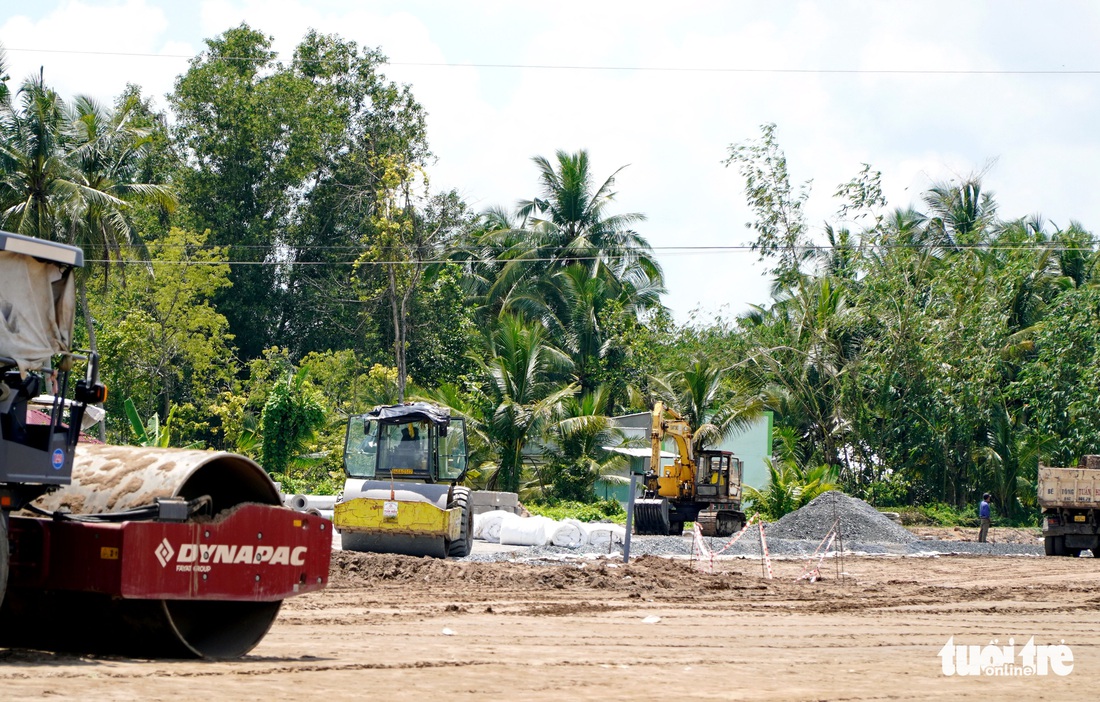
pixel 859 522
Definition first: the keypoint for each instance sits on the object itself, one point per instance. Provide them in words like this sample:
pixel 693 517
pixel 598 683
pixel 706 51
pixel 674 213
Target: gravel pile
pixel 859 522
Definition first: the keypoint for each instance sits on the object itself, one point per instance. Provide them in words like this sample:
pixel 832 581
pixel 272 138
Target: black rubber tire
pixel 464 544
pixel 1048 545
pixel 1095 552
pixel 3 555
pixel 1059 545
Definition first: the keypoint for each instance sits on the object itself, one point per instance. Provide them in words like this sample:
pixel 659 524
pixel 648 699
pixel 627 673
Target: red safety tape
pixel 738 535
pixel 764 546
pixel 813 572
pixel 698 543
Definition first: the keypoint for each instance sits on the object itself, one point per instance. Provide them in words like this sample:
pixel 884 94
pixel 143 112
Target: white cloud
pixel 101 31
pixel 673 127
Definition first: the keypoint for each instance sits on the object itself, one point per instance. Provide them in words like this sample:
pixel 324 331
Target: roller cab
pixel 403 466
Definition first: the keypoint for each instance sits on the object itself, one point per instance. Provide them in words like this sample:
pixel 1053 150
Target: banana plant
pixel 151 433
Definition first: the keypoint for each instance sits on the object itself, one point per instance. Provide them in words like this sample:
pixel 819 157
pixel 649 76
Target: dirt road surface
pixel 399 628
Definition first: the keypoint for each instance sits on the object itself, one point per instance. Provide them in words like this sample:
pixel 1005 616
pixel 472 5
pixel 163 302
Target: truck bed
pixel 1069 487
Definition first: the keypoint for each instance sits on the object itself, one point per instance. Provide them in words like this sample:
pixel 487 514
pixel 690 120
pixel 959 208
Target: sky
pixel 924 91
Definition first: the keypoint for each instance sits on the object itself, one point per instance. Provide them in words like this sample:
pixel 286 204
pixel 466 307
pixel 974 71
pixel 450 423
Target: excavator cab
pixel 719 476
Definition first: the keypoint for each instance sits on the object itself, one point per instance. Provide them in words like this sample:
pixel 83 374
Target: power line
pixel 681 250
pixel 582 67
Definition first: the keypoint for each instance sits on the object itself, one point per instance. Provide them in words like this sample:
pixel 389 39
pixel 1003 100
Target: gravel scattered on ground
pixel 863 530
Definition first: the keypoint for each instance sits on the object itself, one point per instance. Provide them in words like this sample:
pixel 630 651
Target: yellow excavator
pixel 705 489
pixel 404 465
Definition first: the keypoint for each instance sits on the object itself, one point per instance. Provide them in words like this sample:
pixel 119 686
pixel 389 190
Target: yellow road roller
pixel 402 494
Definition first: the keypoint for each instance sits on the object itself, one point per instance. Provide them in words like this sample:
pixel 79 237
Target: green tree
pixel 164 344
pixel 282 167
pixel 519 393
pixel 574 452
pixel 713 408
pixel 567 224
pixel 291 417
pixel 406 242
pixel 780 224
pixel 792 483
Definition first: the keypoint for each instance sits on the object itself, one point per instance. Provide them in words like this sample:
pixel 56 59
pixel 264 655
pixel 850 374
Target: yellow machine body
pixel 370 515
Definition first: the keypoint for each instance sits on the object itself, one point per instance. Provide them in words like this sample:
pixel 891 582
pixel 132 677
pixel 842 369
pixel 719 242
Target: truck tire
pixel 1048 545
pixel 461 547
pixel 3 554
pixel 1059 545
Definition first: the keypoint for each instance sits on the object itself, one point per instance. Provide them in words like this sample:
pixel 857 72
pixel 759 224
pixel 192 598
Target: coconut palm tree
pixel 70 174
pixel 714 406
pixel 38 185
pixel 574 442
pixel 521 391
pixel 105 151
pixel 567 224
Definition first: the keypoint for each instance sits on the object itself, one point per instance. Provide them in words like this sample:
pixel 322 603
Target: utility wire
pixel 581 67
pixel 671 251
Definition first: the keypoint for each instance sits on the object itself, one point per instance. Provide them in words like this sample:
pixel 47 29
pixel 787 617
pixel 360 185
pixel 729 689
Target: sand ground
pixel 393 627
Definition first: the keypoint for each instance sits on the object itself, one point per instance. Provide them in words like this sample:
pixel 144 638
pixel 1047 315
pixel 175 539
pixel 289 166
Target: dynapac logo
pixel 201 556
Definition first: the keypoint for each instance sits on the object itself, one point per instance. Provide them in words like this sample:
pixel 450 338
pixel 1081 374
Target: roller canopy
pixel 412 412
pixel 37 300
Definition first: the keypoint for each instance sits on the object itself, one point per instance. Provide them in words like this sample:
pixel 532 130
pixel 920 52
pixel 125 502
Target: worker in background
pixel 984 514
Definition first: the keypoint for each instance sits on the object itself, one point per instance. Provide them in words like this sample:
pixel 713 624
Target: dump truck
pixel 121 549
pixel 404 464
pixel 702 487
pixel 1070 500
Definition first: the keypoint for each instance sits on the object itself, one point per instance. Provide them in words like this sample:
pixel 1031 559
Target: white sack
pixel 569 534
pixel 527 531
pixel 603 535
pixel 487 524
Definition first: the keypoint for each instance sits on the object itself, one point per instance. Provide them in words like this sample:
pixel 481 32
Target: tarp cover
pixel 411 412
pixel 37 304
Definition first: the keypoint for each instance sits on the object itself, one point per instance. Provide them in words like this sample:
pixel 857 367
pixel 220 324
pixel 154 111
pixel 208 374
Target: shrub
pixel 581 511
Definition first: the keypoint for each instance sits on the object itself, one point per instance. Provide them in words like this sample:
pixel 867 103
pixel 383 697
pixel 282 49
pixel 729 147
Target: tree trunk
pixel 398 335
pixel 86 310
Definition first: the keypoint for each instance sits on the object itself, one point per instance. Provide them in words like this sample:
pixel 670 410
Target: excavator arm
pixel 678 480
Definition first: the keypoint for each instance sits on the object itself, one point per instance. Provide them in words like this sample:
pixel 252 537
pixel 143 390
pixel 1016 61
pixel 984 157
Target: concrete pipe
pixel 113 478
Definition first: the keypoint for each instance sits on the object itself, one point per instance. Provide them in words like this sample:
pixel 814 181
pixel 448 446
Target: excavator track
pixel 720 523
pixel 708 523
